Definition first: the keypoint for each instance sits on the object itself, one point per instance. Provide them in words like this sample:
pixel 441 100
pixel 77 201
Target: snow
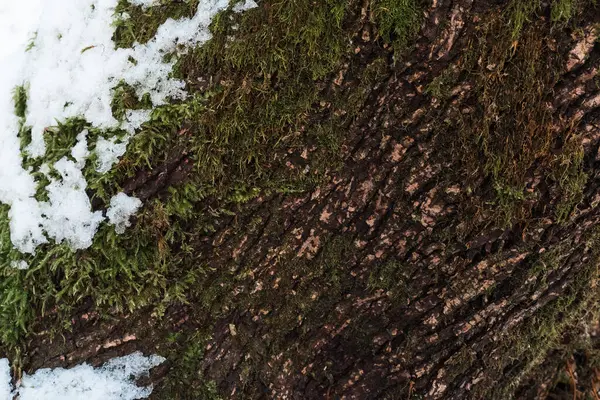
pixel 69 215
pixel 108 152
pixel 122 207
pixel 45 169
pixel 135 119
pixel 145 3
pixel 74 67
pixel 26 219
pixel 63 54
pixel 249 4
pixel 5 383
pixel 21 264
pixel 80 151
pixel 115 380
pixel 17 20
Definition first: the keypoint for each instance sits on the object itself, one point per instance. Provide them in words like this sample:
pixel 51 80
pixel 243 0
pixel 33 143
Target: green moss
pixel 509 134
pixel 261 99
pixel 567 170
pixel 535 338
pixel 397 21
pixel 543 331
pixel 375 72
pixel 441 85
pixel 20 101
pixel 562 10
pixel 269 84
pixel 519 13
pixel 141 24
pixel 390 276
pixel 15 309
pixel 185 354
pixel 125 98
pixel 266 92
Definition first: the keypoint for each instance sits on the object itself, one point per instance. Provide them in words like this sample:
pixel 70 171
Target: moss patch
pixel 259 93
pixel 398 21
pixel 508 134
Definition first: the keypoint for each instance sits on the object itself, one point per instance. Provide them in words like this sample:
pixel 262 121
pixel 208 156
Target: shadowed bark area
pixel 454 254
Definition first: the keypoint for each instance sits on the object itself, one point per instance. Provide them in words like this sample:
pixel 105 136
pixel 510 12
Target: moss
pixel 185 381
pixel 397 21
pixel 508 135
pixel 441 85
pixel 519 13
pixel 527 346
pixel 260 100
pixel 125 98
pixel 563 10
pixel 253 113
pixel 141 24
pixel 258 94
pixel 390 276
pixel 532 342
pixel 20 101
pixel 567 170
pixel 375 72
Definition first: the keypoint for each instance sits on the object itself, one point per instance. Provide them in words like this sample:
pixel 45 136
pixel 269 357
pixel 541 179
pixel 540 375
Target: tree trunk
pixel 453 255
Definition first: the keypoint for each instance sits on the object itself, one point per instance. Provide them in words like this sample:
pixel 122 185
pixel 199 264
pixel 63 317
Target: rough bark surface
pixel 396 278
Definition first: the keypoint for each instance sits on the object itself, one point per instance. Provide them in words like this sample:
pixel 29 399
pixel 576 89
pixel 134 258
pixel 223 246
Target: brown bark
pixel 398 278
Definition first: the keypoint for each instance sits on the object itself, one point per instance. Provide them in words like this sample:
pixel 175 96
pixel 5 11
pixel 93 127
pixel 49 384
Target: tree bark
pixel 413 271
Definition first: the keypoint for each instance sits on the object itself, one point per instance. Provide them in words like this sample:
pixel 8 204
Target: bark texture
pixel 454 254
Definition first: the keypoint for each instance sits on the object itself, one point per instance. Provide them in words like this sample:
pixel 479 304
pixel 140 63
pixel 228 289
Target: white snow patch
pixel 68 216
pixel 17 19
pixel 115 380
pixel 21 264
pixel 145 3
pixel 80 151
pixel 122 207
pixel 26 220
pixel 71 70
pixel 108 152
pixel 134 120
pixel 74 66
pixel 6 392
pixel 247 5
pixel 45 168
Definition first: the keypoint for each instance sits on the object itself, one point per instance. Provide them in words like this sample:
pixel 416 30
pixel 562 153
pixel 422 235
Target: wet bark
pixel 397 278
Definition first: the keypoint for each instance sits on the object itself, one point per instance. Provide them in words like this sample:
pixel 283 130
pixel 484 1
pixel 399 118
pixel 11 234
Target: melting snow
pixel 115 380
pixel 80 151
pixel 249 4
pixel 68 213
pixel 63 53
pixel 121 208
pixel 108 152
pixel 5 380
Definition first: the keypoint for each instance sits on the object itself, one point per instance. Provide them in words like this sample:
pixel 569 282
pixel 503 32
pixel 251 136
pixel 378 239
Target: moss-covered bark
pixel 364 199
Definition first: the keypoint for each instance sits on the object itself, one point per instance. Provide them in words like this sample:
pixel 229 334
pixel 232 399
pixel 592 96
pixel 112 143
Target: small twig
pixel 572 376
pixel 411 387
